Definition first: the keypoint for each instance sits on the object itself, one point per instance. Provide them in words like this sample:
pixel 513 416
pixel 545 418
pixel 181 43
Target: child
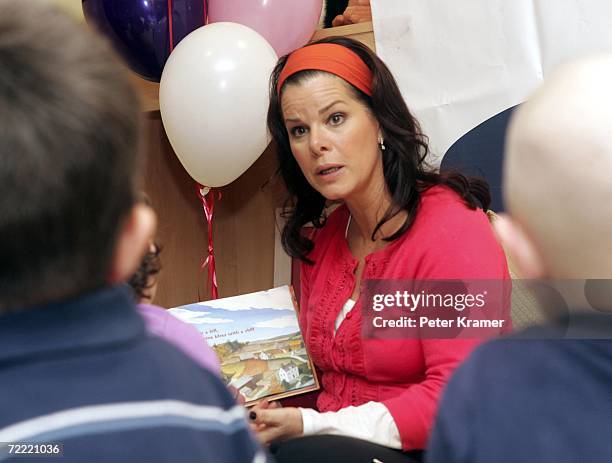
pixel 540 399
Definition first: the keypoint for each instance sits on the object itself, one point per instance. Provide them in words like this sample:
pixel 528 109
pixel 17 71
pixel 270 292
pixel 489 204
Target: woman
pixel 344 134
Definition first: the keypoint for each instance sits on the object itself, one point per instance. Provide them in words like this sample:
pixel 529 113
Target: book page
pixel 258 341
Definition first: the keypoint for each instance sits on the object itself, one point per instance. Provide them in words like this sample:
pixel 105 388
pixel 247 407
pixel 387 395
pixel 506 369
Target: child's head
pixel 69 136
pixel 558 175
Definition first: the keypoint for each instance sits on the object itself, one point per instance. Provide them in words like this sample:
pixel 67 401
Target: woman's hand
pixel 271 422
pixel 261 405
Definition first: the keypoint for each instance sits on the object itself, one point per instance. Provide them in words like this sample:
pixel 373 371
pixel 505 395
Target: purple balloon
pixel 139 29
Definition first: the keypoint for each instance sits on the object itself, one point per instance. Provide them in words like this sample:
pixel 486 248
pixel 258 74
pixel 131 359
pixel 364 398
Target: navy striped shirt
pixel 85 374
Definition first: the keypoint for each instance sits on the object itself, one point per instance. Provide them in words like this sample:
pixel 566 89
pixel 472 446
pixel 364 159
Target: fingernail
pixel 253 415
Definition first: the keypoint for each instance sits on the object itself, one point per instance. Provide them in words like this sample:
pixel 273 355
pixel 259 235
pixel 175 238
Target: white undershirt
pixel 346 308
pixel 371 421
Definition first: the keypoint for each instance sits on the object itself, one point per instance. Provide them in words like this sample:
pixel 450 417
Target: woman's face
pixel 333 137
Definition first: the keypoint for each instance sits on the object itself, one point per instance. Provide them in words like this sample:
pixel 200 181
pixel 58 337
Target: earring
pixel 381 142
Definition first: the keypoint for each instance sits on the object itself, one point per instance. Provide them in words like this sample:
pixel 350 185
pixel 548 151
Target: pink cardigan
pixel 447 240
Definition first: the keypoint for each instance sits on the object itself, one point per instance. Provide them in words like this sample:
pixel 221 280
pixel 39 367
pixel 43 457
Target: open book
pixel 258 341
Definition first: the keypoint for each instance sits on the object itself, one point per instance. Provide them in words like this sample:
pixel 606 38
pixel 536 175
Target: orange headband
pixel 332 58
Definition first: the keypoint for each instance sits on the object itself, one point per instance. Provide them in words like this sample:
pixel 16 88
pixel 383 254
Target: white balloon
pixel 213 99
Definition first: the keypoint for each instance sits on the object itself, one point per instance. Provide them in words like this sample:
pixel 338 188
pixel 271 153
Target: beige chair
pixel 526 311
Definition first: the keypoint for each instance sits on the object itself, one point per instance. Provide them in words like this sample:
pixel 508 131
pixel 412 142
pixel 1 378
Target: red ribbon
pixel 208 204
pixel 170 34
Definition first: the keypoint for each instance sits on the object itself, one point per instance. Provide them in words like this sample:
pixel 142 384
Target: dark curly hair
pixel 406 173
pixel 149 267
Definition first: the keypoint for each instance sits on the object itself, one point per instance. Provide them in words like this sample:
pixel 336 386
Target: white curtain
pixel 459 62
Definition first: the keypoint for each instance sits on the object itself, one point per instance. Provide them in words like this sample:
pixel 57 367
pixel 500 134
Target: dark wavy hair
pixel 406 173
pixel 150 265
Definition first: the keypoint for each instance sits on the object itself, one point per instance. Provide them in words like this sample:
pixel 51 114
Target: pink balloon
pixel 286 24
